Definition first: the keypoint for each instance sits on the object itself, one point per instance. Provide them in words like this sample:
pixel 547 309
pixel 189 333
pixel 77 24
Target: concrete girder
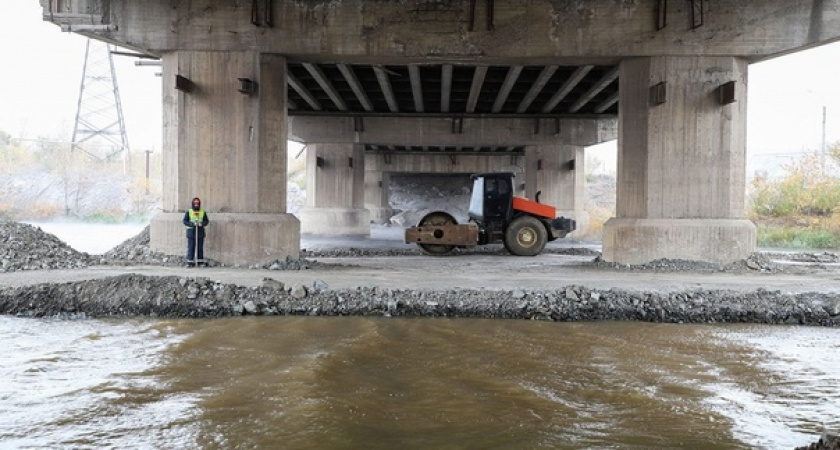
pixel 538 86
pixel 325 84
pixel 444 164
pixel 355 86
pixel 387 91
pixel 609 101
pixel 416 87
pixel 429 131
pixel 567 87
pixel 510 79
pixel 307 96
pixel 533 30
pixel 608 78
pixel 445 87
pixel 475 87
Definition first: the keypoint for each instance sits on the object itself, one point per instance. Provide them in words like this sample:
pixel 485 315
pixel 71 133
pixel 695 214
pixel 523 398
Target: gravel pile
pixel 137 250
pixel 290 263
pixel 25 247
pixel 756 262
pixel 819 258
pixel 138 295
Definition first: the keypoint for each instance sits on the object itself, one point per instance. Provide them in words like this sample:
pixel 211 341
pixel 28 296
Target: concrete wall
pixel 420 29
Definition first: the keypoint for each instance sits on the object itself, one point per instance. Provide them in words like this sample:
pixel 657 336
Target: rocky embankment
pixel 138 295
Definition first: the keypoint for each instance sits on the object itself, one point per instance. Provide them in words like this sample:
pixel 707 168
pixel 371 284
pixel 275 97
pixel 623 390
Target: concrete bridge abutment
pixel 681 162
pixel 228 148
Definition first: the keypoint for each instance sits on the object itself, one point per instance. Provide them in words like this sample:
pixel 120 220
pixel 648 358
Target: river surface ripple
pixel 377 383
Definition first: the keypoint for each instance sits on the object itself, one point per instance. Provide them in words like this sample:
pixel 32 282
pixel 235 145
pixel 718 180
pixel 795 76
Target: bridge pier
pixel 377 192
pixel 558 172
pixel 228 148
pixel 335 190
pixel 681 162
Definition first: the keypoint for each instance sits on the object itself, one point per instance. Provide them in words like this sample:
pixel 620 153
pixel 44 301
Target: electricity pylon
pixel 99 130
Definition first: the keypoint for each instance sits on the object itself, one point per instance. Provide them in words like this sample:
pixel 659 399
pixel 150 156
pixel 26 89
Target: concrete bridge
pixel 377 88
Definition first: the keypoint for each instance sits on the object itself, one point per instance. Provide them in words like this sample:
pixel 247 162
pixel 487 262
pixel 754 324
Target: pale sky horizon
pixel 39 88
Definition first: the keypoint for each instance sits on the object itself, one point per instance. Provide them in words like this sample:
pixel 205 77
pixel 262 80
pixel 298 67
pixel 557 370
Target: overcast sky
pixel 41 68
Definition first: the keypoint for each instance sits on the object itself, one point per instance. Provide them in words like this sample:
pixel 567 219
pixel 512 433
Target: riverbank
pixel 180 297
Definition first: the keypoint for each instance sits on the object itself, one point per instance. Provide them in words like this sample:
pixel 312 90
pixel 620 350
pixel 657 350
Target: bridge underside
pixel 382 88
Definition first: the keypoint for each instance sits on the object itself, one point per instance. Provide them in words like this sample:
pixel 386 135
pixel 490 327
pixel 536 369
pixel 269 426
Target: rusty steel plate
pixel 466 234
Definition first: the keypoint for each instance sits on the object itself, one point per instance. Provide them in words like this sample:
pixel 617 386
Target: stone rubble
pixel 26 247
pixel 756 262
pixel 180 297
pixel 136 250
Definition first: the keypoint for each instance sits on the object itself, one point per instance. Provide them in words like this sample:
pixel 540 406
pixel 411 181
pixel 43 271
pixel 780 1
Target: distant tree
pixel 807 189
pixel 5 138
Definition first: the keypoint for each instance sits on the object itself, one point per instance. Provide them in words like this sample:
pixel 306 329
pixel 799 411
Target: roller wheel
pixel 436 218
pixel 525 236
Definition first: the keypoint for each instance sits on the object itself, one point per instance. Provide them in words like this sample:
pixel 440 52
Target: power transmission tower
pixel 99 130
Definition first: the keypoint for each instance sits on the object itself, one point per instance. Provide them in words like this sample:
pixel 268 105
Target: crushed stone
pixel 183 297
pixel 27 247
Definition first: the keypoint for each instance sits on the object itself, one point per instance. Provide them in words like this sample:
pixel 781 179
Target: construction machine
pixel 495 214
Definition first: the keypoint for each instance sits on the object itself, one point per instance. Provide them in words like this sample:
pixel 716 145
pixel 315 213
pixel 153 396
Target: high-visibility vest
pixel 196 216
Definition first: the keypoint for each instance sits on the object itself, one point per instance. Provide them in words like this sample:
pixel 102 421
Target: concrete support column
pixel 335 194
pixel 681 162
pixel 377 193
pixel 557 171
pixel 229 148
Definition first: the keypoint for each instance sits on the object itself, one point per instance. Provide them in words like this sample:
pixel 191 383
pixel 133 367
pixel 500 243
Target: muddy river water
pixel 380 383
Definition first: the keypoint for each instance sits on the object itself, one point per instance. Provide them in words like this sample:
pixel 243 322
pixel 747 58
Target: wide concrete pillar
pixel 681 162
pixel 335 193
pixel 557 172
pixel 229 148
pixel 377 192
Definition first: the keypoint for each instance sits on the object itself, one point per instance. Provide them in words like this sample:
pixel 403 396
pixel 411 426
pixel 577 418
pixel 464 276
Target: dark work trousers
pixel 191 242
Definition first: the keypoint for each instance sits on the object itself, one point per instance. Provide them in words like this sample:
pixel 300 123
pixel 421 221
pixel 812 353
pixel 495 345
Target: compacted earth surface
pixel 41 276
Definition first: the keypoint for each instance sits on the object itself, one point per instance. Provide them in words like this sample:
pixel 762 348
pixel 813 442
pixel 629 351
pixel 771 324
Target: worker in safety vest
pixel 195 219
